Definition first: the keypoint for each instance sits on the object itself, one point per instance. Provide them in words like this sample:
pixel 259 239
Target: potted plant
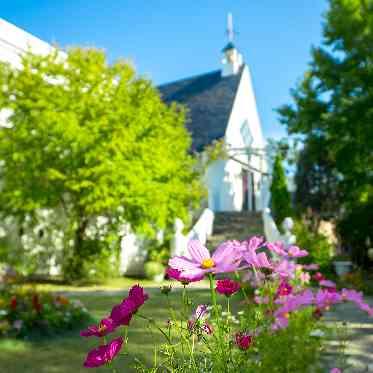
pixel 154 271
pixel 342 264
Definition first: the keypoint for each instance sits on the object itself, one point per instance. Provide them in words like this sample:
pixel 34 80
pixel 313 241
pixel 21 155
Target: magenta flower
pixel 318 276
pixel 104 327
pixel 357 297
pixel 243 340
pixel 250 255
pixel 175 274
pixel 227 287
pixel 103 354
pixel 225 259
pixel 284 289
pixel 122 313
pixel 296 252
pixel 335 370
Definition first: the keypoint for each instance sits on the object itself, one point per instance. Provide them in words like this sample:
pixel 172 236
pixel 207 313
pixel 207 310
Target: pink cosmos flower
pixel 296 252
pixel 277 247
pixel 328 284
pixel 207 328
pixel 261 300
pixel 248 250
pixel 243 340
pixel 324 299
pixel 284 289
pixel 256 278
pixel 175 274
pixel 227 287
pixel 281 322
pixel 200 313
pixel 311 267
pixel 104 327
pixel 285 268
pixel 335 370
pixel 304 277
pixel 103 354
pixel 122 313
pixel 357 297
pixel 225 259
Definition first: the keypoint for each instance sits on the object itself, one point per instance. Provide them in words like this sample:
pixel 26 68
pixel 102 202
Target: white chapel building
pixel 221 106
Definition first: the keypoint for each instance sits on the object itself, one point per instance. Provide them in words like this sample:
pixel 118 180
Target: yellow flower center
pixel 207 263
pixel 101 328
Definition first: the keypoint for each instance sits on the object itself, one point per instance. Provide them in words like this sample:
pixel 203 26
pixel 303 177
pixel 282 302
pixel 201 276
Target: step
pixel 235 226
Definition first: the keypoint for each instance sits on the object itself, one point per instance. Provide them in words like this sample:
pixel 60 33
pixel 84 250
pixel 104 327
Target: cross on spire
pixel 230 30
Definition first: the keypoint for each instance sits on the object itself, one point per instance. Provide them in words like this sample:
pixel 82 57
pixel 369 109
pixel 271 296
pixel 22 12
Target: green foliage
pixel 292 349
pixel 153 269
pixel 355 228
pixel 332 107
pixel 280 196
pixel 320 251
pixel 92 139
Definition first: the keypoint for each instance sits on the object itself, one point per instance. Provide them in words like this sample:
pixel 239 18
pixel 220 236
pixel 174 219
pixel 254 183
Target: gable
pixel 209 99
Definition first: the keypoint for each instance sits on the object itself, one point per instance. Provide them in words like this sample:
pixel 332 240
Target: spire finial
pixel 230 30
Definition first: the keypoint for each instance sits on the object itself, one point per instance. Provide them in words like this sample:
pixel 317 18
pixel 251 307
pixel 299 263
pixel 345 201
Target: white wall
pixel 15 41
pixel 224 178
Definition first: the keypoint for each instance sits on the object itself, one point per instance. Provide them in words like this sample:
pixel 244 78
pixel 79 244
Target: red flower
pixel 243 340
pixel 36 304
pixel 227 287
pixel 103 354
pixel 13 303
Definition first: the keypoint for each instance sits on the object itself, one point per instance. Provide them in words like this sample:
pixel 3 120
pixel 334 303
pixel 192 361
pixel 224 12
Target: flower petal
pixel 182 263
pixel 197 251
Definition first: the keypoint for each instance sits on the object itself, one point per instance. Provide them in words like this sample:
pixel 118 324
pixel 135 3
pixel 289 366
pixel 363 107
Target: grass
pixel 66 353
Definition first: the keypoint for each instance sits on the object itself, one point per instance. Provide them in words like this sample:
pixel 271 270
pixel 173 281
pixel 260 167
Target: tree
pixel 92 140
pixel 332 109
pixel 280 196
pixel 317 182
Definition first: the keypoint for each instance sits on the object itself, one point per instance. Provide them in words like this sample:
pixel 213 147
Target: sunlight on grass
pixel 66 353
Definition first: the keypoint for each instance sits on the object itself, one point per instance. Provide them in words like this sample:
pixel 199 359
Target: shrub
pixel 153 269
pixel 320 251
pixel 280 196
pixel 32 314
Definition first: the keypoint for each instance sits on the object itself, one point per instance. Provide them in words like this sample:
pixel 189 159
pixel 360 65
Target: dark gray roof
pixel 209 99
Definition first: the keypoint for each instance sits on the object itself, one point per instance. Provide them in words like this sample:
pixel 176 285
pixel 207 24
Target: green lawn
pixel 67 352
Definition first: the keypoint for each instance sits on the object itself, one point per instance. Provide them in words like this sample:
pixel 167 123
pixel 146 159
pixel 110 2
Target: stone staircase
pixel 235 226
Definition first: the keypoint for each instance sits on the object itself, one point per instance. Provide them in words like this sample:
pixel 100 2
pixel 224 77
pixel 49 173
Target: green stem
pixel 157 327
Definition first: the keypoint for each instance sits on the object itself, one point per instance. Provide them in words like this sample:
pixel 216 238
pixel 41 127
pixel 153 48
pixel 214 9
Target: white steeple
pixel 232 59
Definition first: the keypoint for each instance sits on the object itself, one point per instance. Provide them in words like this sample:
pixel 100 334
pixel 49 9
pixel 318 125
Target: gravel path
pixel 359 348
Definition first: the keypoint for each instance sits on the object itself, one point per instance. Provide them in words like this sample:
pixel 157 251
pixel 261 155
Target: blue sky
pixel 169 40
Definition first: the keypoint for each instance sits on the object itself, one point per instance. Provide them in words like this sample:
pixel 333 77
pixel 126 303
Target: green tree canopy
pixel 333 102
pixel 94 140
pixel 332 106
